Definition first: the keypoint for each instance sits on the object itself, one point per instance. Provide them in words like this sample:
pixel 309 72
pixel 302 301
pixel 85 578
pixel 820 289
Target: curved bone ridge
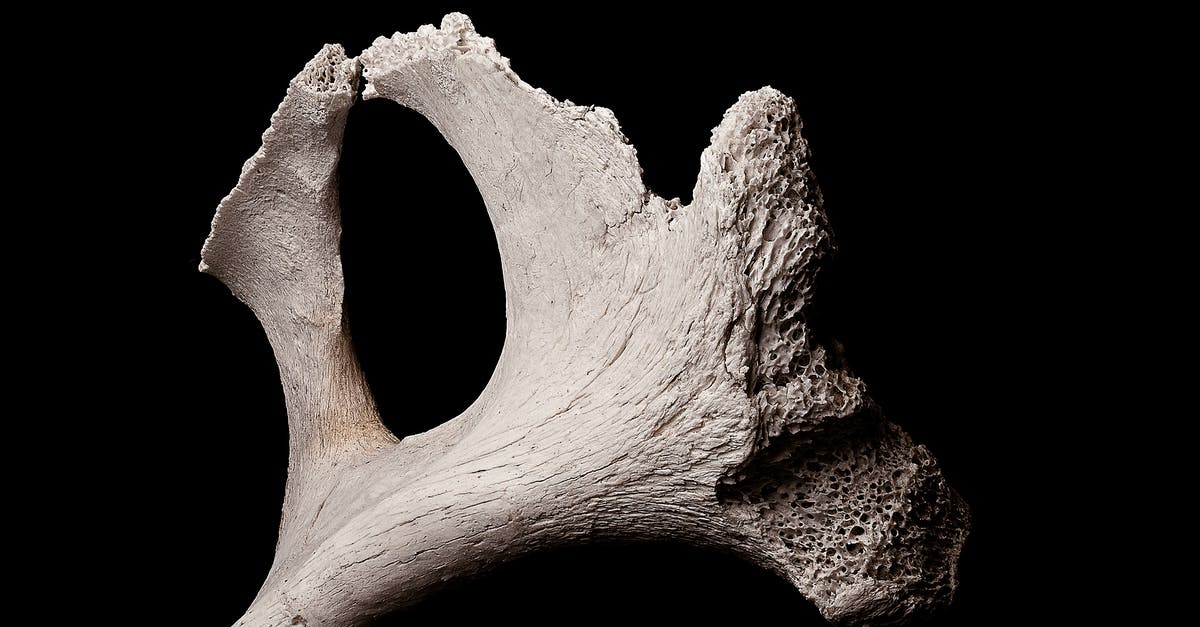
pixel 658 378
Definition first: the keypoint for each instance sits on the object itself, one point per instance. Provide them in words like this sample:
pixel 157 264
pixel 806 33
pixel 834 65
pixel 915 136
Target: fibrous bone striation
pixel 659 379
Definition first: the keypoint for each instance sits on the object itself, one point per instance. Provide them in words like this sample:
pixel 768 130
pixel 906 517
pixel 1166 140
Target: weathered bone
pixel 658 379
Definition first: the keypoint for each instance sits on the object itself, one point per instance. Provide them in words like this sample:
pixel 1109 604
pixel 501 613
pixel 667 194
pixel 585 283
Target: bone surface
pixel 658 379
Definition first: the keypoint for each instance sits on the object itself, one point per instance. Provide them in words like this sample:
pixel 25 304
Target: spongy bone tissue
pixel 659 379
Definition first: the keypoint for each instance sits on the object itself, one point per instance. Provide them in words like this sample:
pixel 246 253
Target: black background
pixel 930 144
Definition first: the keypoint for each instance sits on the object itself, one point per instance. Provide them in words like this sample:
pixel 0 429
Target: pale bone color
pixel 657 379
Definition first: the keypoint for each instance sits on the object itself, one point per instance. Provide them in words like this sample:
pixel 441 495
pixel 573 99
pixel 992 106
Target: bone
pixel 658 381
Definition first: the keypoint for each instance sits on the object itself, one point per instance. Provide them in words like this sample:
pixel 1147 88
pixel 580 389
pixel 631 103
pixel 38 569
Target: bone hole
pixel 424 291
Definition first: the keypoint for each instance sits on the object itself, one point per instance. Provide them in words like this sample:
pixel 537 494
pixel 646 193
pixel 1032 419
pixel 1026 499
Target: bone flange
pixel 658 379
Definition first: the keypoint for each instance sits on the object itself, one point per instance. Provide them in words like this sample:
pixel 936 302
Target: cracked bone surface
pixel 658 379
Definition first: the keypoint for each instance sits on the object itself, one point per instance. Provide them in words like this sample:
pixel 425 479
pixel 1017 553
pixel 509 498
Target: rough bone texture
pixel 658 379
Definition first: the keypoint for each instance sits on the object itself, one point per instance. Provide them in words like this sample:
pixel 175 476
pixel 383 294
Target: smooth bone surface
pixel 658 379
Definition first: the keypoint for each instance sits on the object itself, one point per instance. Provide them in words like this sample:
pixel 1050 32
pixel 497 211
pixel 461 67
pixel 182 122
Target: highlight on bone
pixel 659 379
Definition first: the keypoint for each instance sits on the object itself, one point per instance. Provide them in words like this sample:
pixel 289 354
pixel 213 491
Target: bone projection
pixel 657 381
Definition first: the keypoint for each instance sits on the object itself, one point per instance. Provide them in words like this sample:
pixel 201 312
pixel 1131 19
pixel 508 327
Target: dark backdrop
pixel 921 144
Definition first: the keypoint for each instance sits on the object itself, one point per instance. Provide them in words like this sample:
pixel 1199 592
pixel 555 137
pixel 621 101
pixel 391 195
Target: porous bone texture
pixel 658 379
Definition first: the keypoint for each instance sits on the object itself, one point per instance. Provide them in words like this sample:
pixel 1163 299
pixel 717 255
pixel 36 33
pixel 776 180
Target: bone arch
pixel 658 379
